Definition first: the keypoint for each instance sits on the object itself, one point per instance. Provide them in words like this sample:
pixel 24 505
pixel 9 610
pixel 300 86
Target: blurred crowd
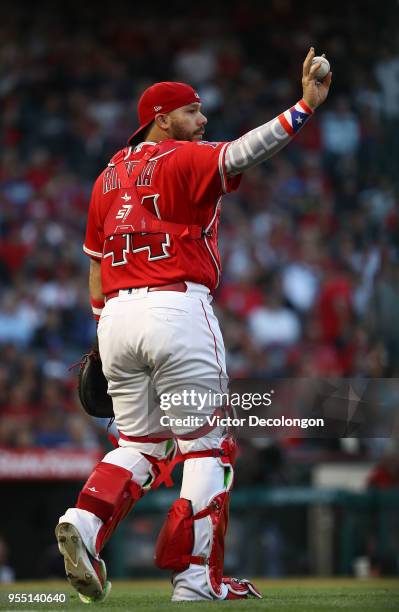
pixel 309 242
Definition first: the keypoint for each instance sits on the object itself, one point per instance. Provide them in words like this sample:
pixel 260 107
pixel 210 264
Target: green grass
pixel 299 595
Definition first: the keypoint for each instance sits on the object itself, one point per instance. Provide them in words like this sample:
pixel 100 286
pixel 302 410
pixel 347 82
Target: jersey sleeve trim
pixel 222 167
pixel 92 253
pixel 218 271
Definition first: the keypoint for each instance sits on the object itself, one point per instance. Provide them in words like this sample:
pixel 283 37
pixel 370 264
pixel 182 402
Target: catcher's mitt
pixel 92 386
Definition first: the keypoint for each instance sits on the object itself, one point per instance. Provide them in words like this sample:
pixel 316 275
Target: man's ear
pixel 162 121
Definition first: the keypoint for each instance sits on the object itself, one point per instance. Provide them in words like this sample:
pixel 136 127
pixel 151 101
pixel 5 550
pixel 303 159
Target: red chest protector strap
pixel 139 219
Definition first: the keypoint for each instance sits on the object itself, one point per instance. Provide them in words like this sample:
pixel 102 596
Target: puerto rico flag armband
pixel 97 307
pixel 294 118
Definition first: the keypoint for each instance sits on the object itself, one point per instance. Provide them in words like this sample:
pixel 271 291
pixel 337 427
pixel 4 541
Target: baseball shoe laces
pixel 86 574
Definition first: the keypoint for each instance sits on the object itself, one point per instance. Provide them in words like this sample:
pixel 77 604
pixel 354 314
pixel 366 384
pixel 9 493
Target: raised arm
pixel 266 140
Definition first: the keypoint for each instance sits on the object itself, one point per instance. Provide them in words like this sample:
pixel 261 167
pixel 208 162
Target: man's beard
pixel 180 133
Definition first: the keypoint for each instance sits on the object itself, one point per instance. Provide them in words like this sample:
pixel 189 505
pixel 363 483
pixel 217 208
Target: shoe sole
pixel 79 571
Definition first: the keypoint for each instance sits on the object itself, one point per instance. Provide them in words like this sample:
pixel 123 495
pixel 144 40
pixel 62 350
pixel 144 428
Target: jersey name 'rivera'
pixel 183 183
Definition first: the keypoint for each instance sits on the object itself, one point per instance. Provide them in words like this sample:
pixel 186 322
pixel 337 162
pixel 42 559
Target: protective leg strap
pixel 227 453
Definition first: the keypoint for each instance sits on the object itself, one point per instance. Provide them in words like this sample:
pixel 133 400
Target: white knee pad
pixel 212 440
pixel 203 477
pixel 131 458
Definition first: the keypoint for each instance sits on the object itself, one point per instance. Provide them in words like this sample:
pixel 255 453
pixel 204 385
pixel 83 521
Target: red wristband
pixel 97 307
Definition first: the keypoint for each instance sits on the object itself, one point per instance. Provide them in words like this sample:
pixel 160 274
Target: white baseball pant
pixel 164 339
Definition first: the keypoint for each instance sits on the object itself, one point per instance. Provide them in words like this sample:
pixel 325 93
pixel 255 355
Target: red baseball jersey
pixel 182 183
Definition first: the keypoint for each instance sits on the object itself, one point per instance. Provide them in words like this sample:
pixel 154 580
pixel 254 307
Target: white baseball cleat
pixel 85 573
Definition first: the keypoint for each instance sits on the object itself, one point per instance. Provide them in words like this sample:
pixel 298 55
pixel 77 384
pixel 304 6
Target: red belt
pixel 180 286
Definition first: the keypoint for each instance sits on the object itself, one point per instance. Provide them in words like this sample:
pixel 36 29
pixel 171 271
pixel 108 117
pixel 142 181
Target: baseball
pixel 324 68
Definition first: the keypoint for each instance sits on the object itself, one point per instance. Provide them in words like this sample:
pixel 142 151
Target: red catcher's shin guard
pixel 130 497
pixel 219 517
pixel 109 493
pixel 176 538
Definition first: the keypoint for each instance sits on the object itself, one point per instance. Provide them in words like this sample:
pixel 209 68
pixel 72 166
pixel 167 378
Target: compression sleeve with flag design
pixel 266 140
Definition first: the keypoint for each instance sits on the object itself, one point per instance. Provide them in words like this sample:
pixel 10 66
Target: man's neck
pixel 156 135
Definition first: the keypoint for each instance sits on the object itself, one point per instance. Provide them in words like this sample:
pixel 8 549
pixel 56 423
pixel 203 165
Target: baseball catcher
pixel 154 262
